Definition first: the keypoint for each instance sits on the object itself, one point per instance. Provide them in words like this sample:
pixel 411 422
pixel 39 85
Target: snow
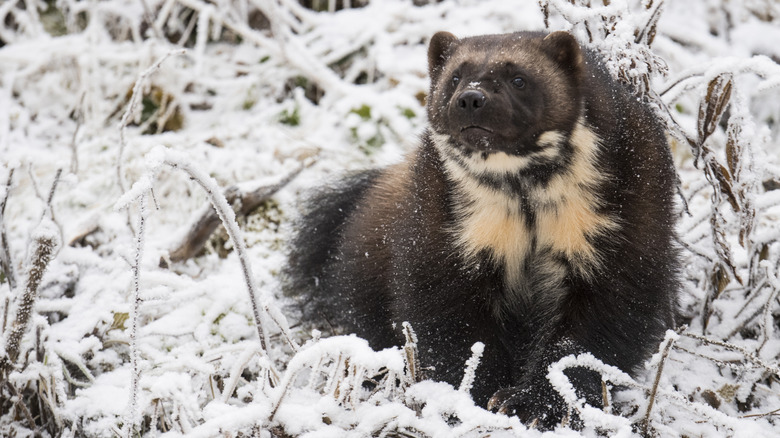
pixel 471 367
pixel 89 90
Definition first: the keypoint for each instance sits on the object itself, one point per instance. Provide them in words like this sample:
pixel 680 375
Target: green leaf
pixel 364 112
pixel 120 318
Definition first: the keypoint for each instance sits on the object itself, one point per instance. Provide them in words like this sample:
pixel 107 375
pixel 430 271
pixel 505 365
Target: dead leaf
pixel 713 106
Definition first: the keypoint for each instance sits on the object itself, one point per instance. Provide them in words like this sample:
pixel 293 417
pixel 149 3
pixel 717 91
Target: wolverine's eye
pixel 518 82
pixel 455 80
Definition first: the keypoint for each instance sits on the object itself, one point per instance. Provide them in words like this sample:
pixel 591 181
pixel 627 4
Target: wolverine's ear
pixel 439 51
pixel 564 49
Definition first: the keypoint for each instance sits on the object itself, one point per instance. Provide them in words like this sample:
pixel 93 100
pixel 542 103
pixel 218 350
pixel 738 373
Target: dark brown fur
pixel 536 217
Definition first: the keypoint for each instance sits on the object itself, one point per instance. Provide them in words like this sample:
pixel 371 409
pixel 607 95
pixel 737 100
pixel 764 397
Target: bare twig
pixel 150 20
pixel 756 310
pixel 53 187
pixel 185 36
pixel 287 381
pixel 19 404
pixel 74 158
pixel 5 314
pixel 766 414
pixel 47 398
pixel 677 81
pixel 693 250
pixel 34 182
pixel 49 210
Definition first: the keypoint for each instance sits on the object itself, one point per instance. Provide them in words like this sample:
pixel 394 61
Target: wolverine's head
pixel 515 94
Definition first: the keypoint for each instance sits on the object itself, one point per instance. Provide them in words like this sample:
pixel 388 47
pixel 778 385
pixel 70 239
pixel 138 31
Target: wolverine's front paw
pixel 538 404
pixel 533 406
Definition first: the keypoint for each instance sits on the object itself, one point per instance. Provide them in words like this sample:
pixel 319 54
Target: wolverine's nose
pixel 471 100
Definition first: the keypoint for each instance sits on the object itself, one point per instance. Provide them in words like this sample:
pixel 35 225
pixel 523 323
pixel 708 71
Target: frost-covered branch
pixel 621 426
pixel 131 419
pixel 670 338
pixel 760 65
pixel 471 367
pixel 285 44
pixel 773 368
pixel 244 199
pixel 235 373
pixel 591 416
pixel 45 243
pixel 344 362
pixel 160 156
pixel 296 54
pixel 622 33
pixel 132 106
pixel 411 355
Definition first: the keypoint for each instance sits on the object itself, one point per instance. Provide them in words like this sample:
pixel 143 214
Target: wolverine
pixel 536 216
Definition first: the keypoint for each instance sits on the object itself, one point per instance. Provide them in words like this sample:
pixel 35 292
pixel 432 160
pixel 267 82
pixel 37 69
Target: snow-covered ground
pixel 124 340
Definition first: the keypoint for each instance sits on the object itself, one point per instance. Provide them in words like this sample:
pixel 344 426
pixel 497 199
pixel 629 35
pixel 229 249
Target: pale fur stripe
pixel 565 209
pixel 499 163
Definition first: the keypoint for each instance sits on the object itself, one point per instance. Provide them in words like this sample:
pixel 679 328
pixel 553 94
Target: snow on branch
pixel 244 198
pixel 411 355
pixel 591 416
pixel 657 394
pixel 749 356
pixel 760 65
pixel 471 367
pixel 131 418
pixel 666 347
pixel 131 111
pixel 339 365
pixel 622 31
pixel 163 156
pixel 45 244
pixel 285 44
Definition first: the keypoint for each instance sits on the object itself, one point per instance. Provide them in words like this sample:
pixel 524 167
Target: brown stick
pixel 412 357
pixel 654 390
pixel 43 249
pixel 204 225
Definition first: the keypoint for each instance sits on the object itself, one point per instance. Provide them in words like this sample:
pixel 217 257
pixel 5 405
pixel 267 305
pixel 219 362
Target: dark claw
pixel 507 410
pixel 529 407
pixel 499 399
